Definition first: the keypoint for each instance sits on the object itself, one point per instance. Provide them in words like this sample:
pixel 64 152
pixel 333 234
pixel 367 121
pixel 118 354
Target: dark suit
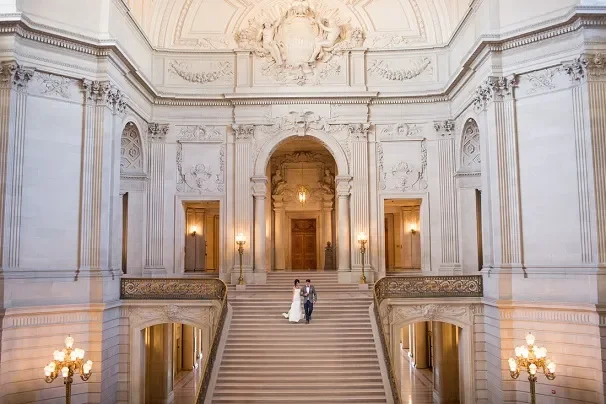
pixel 309 300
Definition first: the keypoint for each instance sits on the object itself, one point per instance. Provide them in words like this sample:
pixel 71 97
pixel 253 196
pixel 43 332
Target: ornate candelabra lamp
pixel 531 358
pixel 362 239
pixel 240 240
pixel 67 363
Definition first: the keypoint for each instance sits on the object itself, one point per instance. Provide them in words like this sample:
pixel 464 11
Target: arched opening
pixel 431 361
pixel 301 205
pixel 171 358
pixel 132 194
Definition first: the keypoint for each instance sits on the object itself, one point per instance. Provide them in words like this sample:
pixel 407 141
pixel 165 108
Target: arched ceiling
pixel 213 24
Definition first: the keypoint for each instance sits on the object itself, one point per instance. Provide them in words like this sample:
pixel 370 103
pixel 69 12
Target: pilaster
pixel 14 80
pixel 279 220
pixel 360 210
pixel 154 258
pixel 259 187
pixel 243 209
pixel 449 229
pixel 343 188
pixel 588 79
pixel 100 176
pixel 495 97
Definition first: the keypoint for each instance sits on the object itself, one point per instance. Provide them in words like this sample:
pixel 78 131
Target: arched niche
pixel 131 150
pixel 470 159
pixel 329 142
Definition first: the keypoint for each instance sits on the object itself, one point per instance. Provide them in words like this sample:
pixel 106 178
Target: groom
pixel 309 297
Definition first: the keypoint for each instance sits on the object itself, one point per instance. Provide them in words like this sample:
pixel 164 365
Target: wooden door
pixel 303 248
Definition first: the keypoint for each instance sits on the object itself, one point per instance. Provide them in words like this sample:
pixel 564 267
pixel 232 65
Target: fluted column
pixel 327 206
pixel 343 240
pixel 496 98
pixel 243 207
pixel 13 101
pixel 445 364
pixel 449 225
pixel 259 185
pixel 588 77
pixel 154 262
pixel 360 209
pixel 279 236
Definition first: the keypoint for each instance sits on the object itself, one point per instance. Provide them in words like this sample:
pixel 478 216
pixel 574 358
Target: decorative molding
pixel 403 176
pixel 53 85
pixel 172 289
pixel 541 80
pixel 493 88
pixel 157 131
pixel 199 177
pixel 431 312
pixel 382 69
pixel 169 313
pixel 444 128
pixel 407 287
pixel 259 187
pixel 13 75
pixel 400 131
pixel 343 185
pixel 299 42
pixel 586 66
pixel 201 134
pixel 104 93
pixel 180 68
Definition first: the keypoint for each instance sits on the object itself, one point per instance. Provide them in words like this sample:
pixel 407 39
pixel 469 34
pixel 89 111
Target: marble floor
pixel 186 385
pixel 416 386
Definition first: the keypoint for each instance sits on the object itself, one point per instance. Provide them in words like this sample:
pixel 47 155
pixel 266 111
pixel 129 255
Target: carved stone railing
pixel 183 289
pixel 418 287
pixel 172 289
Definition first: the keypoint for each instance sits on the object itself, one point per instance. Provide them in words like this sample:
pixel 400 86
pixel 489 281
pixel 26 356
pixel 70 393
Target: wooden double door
pixel 303 245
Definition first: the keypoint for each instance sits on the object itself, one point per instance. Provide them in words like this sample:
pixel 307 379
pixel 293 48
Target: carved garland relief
pixel 403 176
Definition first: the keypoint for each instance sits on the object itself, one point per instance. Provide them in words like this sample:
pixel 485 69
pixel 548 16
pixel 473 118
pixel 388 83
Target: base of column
pixel 250 277
pixel 154 272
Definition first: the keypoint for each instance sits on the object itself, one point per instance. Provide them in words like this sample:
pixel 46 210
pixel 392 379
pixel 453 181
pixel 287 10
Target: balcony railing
pixel 183 289
pixel 419 287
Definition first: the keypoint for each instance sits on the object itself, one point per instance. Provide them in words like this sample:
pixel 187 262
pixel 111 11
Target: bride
pixel 295 313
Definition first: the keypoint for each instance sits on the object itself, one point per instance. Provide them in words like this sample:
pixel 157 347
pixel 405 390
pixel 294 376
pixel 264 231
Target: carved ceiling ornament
pixel 296 41
pixel 318 191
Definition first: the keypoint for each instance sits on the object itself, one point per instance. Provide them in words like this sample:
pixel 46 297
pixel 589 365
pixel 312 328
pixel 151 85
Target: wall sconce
pixel 193 230
pixel 413 228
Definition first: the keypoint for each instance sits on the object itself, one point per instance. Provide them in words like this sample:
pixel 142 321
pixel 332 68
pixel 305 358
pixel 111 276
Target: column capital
pixel 259 186
pixel 493 89
pixel 15 76
pixel 343 185
pixel 157 131
pixel 444 128
pixel 359 131
pixel 588 66
pixel 243 132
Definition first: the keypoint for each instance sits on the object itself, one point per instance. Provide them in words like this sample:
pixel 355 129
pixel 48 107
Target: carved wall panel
pixel 200 168
pixel 470 147
pixel 402 166
pixel 131 150
pixel 51 85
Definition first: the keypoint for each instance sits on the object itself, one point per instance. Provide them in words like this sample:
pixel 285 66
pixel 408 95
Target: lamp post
pixel 531 358
pixel 362 239
pixel 240 240
pixel 194 231
pixel 67 363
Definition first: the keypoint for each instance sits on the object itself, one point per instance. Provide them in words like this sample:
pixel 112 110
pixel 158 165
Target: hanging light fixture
pixel 302 190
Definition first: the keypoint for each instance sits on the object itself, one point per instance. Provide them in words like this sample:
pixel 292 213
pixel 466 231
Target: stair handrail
pixel 415 287
pixel 183 289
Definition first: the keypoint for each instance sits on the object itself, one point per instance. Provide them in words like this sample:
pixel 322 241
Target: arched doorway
pixel 302 190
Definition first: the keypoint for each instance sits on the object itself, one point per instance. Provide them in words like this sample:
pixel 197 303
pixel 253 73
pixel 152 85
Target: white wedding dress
pixel 296 312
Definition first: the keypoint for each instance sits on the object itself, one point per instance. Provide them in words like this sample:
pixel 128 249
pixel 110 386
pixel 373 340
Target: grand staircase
pixel 332 360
